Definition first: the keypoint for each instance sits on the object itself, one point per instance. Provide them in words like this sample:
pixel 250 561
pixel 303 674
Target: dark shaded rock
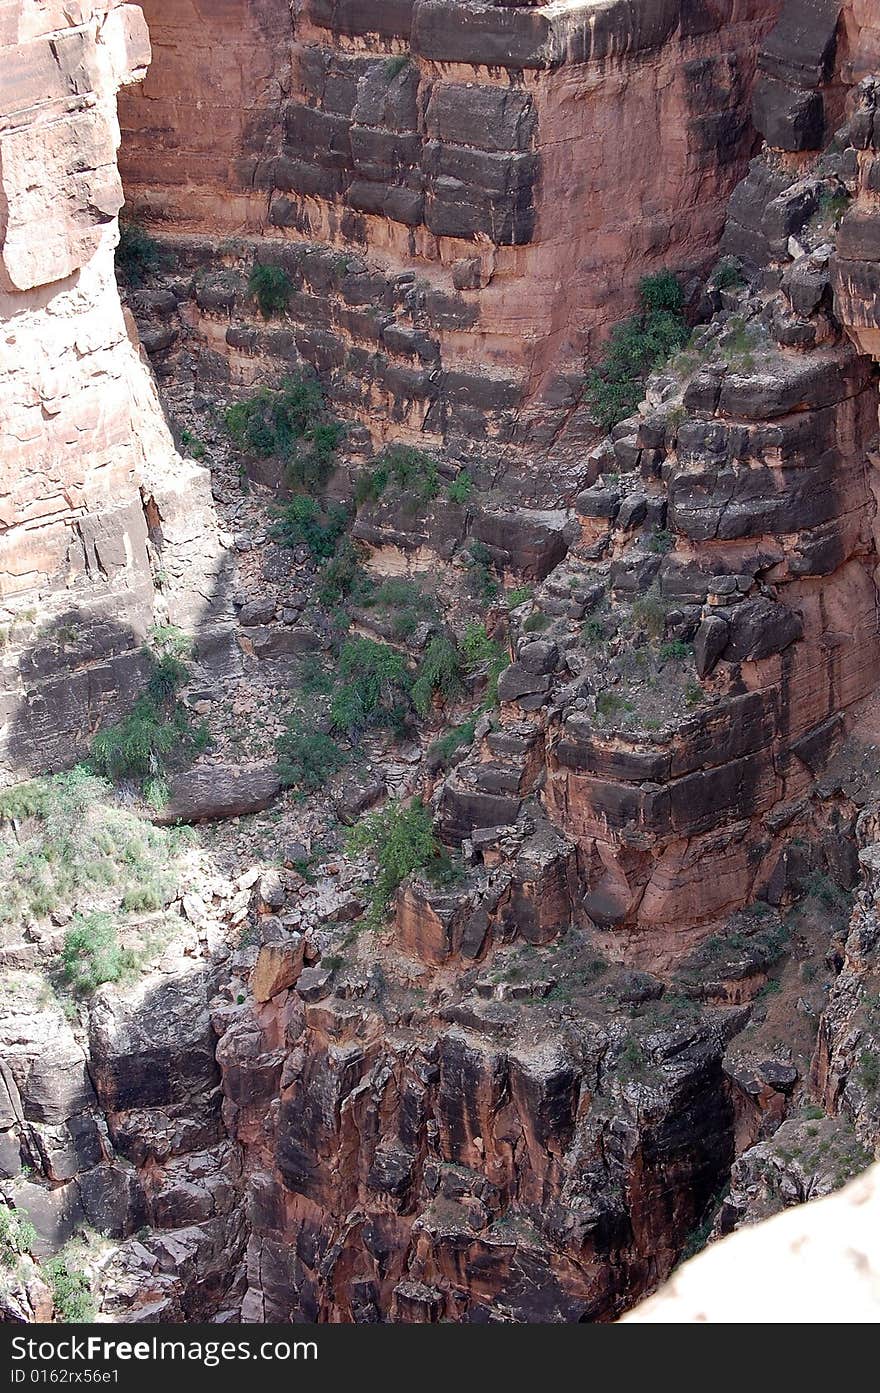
pixel 709 643
pixel 219 791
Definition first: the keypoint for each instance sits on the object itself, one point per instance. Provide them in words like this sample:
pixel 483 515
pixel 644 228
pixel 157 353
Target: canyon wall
pixel 83 442
pixel 464 195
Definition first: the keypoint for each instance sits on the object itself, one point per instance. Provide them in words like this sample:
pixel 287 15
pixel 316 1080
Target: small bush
pixel 302 522
pixel 290 424
pixel 674 651
pixel 71 1291
pixel 476 646
pixel 518 596
pixel 461 488
pixel 661 541
pixel 536 621
pixel 728 276
pixel 438 675
pixel 271 287
pixel 17 1237
pixel 414 472
pixel 344 578
pixel 649 612
pixel 635 348
pixel 92 954
pixel 307 757
pixel 869 1070
pixel 454 739
pixel 395 65
pixel 483 582
pixel 401 840
pixel 371 485
pixel 375 687
pixel 138 255
pixel 408 603
pixel 192 445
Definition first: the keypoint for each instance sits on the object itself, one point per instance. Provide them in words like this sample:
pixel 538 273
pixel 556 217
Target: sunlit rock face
pixel 510 173
pixel 83 443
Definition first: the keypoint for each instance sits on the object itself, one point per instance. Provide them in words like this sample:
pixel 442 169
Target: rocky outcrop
pixel 91 490
pixel 818 1263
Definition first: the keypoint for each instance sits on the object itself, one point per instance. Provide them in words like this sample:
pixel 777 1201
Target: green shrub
pixel 375 687
pixel 17 1237
pixel 593 631
pixel 371 484
pixel 71 1291
pixel 290 424
pixel 536 621
pixel 649 612
pixel 401 840
pixel 92 954
pixel 727 276
pixel 408 603
pixel 138 255
pixel 476 646
pixel 438 675
pixel 518 596
pixel 344 578
pixel 396 65
pixel 675 651
pixel 307 757
pixel 461 488
pixel 302 522
pixel 483 582
pixel 869 1070
pixel 192 445
pixel 662 541
pixel 454 739
pixel 271 287
pixel 414 472
pixel 636 347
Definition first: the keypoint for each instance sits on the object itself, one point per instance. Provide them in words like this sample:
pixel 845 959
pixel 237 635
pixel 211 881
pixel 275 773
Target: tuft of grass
pixel 451 740
pixel 65 838
pixel 271 287
pixel 92 954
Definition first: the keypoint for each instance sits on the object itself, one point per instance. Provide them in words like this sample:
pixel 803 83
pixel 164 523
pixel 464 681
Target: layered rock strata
pixel 90 485
pixel 463 195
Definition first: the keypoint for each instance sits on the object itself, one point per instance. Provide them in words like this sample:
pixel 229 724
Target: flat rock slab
pixel 221 791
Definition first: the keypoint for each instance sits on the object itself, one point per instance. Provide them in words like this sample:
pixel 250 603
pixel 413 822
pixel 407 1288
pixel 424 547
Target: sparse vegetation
pixel 637 346
pixel 518 596
pixel 138 255
pixel 451 740
pixel 291 424
pixel 271 287
pixel 401 840
pixel 71 1291
pixel 375 688
pixel 344 578
pixel 303 522
pixel 92 954
pixel 17 1236
pixel 438 675
pixel 65 840
pixel 461 488
pixel 158 732
pixel 406 602
pixel 192 446
pixel 307 757
pixel 649 612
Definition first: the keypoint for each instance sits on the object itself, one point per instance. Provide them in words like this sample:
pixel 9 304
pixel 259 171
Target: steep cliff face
pixel 524 1096
pixel 495 182
pixel 83 441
